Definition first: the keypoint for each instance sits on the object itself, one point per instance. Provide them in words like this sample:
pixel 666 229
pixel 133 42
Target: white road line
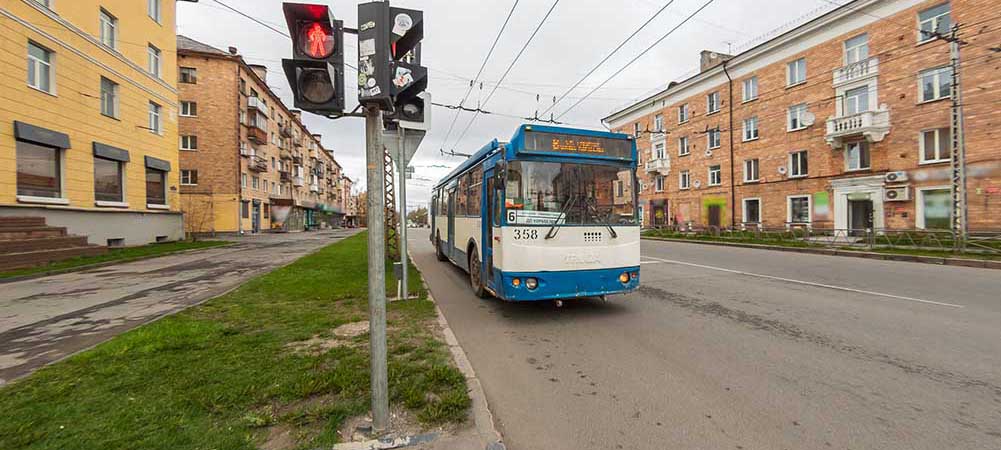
pixel 651 262
pixel 808 283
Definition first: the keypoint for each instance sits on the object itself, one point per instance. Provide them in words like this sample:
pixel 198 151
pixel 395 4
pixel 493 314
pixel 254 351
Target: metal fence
pixel 988 242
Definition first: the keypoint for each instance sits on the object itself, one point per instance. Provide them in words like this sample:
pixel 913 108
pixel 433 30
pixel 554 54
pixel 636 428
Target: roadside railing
pixel 796 235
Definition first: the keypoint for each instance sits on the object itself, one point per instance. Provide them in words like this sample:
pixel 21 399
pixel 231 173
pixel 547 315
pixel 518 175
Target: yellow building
pixel 88 117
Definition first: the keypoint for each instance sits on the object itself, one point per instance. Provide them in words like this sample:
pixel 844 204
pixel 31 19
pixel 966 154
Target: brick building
pixel 842 122
pixel 247 162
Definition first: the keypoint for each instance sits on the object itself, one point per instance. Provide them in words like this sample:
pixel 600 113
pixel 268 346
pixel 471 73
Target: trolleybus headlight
pixel 516 282
pixel 531 283
pixel 634 275
pixel 624 278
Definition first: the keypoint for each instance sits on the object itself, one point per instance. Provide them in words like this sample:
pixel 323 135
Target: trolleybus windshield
pixel 548 193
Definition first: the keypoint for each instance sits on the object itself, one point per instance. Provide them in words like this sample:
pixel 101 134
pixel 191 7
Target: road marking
pixel 808 283
pixel 651 262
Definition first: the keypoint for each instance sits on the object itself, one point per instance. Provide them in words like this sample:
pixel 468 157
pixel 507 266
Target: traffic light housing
pixel 316 71
pixel 389 61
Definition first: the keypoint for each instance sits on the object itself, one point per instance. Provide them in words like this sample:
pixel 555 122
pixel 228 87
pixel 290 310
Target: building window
pixel 683 113
pixel 189 177
pixel 712 103
pixel 750 129
pixel 684 181
pixel 796 72
pixel 153 63
pixel 933 21
pixel 857 156
pixel 40 70
pixel 156 187
pixel 108 186
pixel 752 210
pixel 245 209
pixel 154 118
pixel 934 209
pixel 658 123
pixel 715 176
pixel 751 173
pixel 796 114
pixel 109 29
pixel 189 142
pixel 799 209
pixel 636 130
pixel 935 145
pixel 658 151
pixel 658 183
pixel 713 138
pixel 243 180
pixel 934 84
pixel 189 109
pixel 857 49
pixel 153 9
pixel 39 170
pixel 856 101
pixel 798 164
pixel 109 97
pixel 750 89
pixel 255 183
pixel 683 148
pixel 187 75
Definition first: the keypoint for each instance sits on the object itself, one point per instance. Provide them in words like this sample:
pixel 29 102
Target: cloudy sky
pixel 458 34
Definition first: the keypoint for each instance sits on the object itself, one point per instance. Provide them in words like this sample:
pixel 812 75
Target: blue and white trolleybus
pixel 549 215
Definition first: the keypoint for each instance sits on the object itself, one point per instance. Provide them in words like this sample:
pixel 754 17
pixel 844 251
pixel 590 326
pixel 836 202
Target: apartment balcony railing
pixel 258 164
pixel 285 131
pixel 872 125
pixel 314 188
pixel 285 176
pixel 258 104
pixel 285 154
pixel 856 71
pixel 257 135
pixel 297 158
pixel 298 181
pixel 248 152
pixel 661 166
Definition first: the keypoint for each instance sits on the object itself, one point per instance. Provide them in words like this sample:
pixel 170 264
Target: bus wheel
pixel 475 280
pixel 437 248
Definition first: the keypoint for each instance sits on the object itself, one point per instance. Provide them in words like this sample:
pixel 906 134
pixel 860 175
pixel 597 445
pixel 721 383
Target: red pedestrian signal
pixel 317 41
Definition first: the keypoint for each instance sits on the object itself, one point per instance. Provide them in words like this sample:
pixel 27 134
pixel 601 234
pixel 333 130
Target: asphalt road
pixel 46 319
pixel 742 349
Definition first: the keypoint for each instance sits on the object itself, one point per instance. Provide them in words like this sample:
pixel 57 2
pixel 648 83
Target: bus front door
pixel 488 228
pixel 451 223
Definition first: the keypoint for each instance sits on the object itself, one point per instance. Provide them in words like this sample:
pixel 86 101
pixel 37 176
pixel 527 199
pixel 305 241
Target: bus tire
pixel 475 277
pixel 437 248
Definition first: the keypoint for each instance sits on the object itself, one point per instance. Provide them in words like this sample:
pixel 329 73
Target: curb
pixel 943 261
pixel 108 263
pixel 482 416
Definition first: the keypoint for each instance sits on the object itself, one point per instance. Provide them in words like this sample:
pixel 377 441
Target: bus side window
pixel 498 201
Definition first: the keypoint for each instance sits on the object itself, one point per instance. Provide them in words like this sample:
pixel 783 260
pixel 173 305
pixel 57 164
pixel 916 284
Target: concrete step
pixel 10 261
pixel 20 222
pixel 46 243
pixel 30 232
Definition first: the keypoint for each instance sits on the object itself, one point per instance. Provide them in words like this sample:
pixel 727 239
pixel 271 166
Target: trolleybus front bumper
pixel 567 284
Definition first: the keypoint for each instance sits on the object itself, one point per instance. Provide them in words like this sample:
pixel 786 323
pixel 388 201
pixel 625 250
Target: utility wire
pixel 506 72
pixel 637 57
pixel 479 72
pixel 603 60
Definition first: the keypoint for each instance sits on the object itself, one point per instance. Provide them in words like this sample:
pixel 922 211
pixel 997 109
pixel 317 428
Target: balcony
pixel 258 104
pixel 861 70
pixel 258 164
pixel 257 135
pixel 661 166
pixel 285 154
pixel 285 176
pixel 297 159
pixel 285 131
pixel 872 125
pixel 247 152
pixel 298 181
pixel 314 188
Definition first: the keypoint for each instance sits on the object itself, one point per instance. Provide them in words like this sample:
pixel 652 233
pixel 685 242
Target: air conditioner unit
pixel 897 194
pixel 895 177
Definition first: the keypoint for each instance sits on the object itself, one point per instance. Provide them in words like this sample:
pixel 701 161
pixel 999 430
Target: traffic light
pixel 316 70
pixel 389 61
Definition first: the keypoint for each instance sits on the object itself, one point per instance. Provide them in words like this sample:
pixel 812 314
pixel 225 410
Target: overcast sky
pixel 458 34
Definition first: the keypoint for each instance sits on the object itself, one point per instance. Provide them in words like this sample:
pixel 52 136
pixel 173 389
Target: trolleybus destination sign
pixel 536 141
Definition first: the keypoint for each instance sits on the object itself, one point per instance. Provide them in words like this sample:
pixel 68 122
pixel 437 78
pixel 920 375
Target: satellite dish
pixel 698 184
pixel 809 118
pixel 709 153
pixel 782 170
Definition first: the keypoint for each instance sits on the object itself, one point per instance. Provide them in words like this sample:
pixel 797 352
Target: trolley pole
pixel 401 162
pixel 375 180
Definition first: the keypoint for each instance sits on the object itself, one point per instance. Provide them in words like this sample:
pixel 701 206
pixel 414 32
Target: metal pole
pixel 402 163
pixel 960 226
pixel 375 179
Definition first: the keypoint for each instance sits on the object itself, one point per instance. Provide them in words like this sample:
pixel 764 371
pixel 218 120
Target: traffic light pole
pixel 401 162
pixel 375 180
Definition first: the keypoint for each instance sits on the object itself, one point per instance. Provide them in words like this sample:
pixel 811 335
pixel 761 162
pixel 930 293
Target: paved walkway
pixel 46 319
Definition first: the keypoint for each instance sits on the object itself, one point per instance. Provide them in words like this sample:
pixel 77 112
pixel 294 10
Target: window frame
pixel 712 103
pixel 809 209
pixel 920 221
pixel 709 139
pixel 684 114
pixel 658 123
pixel 684 149
pixel 154 60
pixel 792 67
pixel 854 94
pixel 60 176
pixel 121 184
pixel 803 162
pixel 757 170
pixel 155 116
pixel 863 146
pixel 154 10
pixel 936 73
pixel 718 170
pixel 938 151
pixel 801 109
pixel 659 150
pixel 191 173
pixel 163 175
pixel 684 180
pixel 183 78
pixel 185 108
pixel 743 209
pixel 754 87
pixel 754 121
pixel 186 142
pixel 108 22
pixel 855 49
pixel 935 20
pixel 34 63
pixel 114 101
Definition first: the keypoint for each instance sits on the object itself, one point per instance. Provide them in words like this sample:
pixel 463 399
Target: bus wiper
pixel 595 214
pixel 563 213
